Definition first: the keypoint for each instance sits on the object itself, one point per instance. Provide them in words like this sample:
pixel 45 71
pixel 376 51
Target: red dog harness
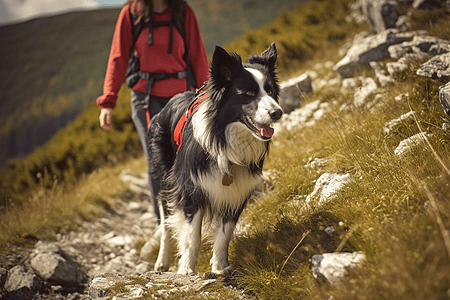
pixel 178 133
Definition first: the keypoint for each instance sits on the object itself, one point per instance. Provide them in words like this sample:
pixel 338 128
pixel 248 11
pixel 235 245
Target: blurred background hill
pixel 52 67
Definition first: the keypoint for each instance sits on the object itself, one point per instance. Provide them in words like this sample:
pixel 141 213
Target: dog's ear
pixel 224 65
pixel 267 58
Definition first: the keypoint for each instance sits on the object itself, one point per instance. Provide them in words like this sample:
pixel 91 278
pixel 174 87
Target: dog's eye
pixel 269 92
pixel 250 93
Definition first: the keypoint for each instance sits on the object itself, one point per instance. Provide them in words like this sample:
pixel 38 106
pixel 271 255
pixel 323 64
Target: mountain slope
pixel 51 67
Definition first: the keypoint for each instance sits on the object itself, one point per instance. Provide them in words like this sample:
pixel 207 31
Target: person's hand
pixel 105 118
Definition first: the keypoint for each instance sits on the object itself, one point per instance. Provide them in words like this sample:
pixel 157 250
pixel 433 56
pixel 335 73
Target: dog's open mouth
pixel 262 131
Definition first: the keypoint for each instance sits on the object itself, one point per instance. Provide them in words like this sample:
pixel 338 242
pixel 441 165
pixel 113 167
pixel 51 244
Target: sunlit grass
pixel 395 210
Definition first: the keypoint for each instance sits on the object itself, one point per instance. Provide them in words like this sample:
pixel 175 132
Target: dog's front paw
pixel 161 267
pixel 224 273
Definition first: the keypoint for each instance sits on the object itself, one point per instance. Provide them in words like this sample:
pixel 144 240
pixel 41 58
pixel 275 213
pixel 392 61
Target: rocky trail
pixel 103 246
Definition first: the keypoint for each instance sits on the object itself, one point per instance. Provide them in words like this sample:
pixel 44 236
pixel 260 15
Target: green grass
pixel 395 210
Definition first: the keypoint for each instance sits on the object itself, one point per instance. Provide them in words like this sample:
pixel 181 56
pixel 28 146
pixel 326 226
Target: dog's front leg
pixel 189 243
pixel 165 248
pixel 224 234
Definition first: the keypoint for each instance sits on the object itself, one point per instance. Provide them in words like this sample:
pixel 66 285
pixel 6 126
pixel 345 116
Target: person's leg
pixel 138 115
pixel 154 107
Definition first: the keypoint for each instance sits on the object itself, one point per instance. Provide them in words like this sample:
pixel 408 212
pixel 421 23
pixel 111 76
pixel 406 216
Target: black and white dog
pixel 208 149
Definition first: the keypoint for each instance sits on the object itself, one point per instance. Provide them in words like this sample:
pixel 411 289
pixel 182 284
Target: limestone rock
pixel 403 23
pixel 52 265
pixel 406 145
pixel 368 86
pixel 292 90
pixel 380 14
pixel 316 163
pixel 331 267
pixel 437 67
pixel 326 187
pixel 393 123
pixel 419 44
pixel 22 283
pixel 382 75
pixel 371 48
pixel 162 283
pixel 444 96
pixel 307 115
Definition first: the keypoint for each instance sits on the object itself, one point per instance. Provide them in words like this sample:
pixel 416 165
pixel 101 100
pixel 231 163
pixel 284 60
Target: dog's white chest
pixel 229 191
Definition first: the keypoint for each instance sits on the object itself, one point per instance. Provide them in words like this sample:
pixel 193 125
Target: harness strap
pixel 152 77
pixel 152 25
pixel 178 133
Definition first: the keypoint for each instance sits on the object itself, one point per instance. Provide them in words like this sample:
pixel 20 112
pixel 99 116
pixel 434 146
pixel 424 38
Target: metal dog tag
pixel 227 179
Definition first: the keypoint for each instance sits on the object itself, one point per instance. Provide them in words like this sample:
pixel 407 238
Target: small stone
pixel 444 97
pixel 331 267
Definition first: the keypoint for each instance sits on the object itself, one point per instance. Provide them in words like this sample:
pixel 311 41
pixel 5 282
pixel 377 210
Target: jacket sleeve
pixel 118 60
pixel 196 49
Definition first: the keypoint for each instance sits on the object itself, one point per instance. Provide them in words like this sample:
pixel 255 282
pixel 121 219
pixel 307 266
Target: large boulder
pixel 365 49
pixel 53 266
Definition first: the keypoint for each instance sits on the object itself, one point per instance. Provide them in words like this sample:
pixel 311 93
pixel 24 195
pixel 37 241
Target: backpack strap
pixel 133 73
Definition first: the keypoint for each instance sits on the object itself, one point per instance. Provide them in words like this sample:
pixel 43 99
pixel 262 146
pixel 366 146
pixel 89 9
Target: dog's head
pixel 248 92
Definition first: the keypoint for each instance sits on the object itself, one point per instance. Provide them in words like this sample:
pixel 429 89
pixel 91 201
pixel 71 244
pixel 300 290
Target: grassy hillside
pixel 53 66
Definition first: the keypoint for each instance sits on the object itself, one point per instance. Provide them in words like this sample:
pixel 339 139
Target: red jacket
pixel 154 59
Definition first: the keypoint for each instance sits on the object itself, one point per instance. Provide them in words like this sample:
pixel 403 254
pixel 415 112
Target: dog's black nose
pixel 275 114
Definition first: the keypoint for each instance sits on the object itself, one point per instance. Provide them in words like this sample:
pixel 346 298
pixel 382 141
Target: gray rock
pixel 380 14
pixel 326 187
pixel 99 285
pixel 368 86
pixel 22 283
pixel 382 75
pixel 331 267
pixel 292 91
pixel 403 23
pixel 51 264
pixel 437 67
pixel 162 283
pixel 356 14
pixel 419 44
pixel 394 123
pixel 316 163
pixel 396 67
pixel 406 145
pixel 444 96
pixel 3 276
pixel 367 49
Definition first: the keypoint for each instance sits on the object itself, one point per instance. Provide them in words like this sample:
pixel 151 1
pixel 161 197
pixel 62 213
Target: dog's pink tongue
pixel 266 131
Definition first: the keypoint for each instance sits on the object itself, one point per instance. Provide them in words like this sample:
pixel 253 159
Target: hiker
pixel 156 50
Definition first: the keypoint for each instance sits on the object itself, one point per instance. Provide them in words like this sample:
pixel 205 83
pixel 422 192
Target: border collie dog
pixel 209 172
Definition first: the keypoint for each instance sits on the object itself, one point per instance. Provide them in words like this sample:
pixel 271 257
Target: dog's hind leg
pixel 189 242
pixel 224 234
pixel 165 247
